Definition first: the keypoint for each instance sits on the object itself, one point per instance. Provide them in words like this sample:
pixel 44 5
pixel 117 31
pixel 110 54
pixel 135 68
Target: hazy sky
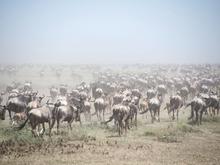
pixel 110 31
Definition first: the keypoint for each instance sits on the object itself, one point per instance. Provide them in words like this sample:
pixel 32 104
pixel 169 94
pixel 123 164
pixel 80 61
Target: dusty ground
pixel 159 143
pixel 92 143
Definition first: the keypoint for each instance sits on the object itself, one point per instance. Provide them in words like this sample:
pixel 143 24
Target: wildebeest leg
pixel 152 118
pixel 85 115
pixel 213 110
pixel 197 117
pixel 58 125
pixel 210 111
pixel 51 123
pixel 42 132
pixel 70 126
pixel 97 113
pixel 192 113
pixel 9 112
pixel 103 115
pixel 89 115
pixel 154 112
pixel 158 112
pixel 126 126
pixel 119 127
pixel 177 114
pixel 218 109
pixel 80 122
pixel 173 118
pixel 135 119
pixel 200 119
pixel 33 130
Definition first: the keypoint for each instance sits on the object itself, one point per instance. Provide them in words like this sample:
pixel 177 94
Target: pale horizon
pixel 110 32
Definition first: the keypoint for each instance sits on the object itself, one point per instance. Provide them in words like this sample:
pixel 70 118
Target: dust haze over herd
pixel 109 32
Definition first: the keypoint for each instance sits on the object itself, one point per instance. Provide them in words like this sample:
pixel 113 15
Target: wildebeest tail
pixel 188 105
pixel 23 124
pixel 145 111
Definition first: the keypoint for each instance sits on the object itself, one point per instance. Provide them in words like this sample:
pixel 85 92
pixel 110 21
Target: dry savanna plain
pixel 164 142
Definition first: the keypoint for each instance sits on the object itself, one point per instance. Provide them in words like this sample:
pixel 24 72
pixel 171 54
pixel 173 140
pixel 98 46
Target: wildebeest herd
pixel 124 94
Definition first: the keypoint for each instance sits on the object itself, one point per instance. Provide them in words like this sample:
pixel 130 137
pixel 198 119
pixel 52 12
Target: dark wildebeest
pixel 2 112
pixel 133 113
pixel 214 104
pixel 198 106
pixel 121 116
pixel 174 105
pixel 39 116
pixel 67 113
pixel 154 105
pixel 19 103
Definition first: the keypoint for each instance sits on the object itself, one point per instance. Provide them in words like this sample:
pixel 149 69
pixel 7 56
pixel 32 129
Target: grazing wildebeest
pixel 121 116
pixel 67 113
pixel 174 105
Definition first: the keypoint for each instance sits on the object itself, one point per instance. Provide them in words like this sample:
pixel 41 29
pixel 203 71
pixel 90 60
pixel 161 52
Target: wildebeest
pixel 38 116
pixel 198 106
pixel 1 97
pixel 121 116
pixel 19 117
pixel 214 104
pixel 86 109
pixel 35 103
pixel 2 112
pixel 67 113
pixel 151 93
pixel 19 103
pixel 184 94
pixel 174 105
pixel 133 113
pixel 117 98
pixel 154 105
pixel 100 106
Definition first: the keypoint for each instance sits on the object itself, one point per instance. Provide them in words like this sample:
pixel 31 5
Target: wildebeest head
pixel 2 112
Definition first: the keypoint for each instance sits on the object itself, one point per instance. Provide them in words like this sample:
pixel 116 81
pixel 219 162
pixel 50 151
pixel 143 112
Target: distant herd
pixel 124 94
